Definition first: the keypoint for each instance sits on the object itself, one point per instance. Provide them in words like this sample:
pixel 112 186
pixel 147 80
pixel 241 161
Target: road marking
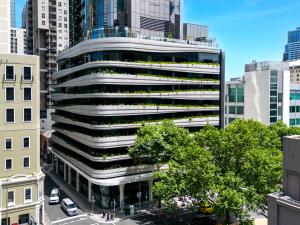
pixel 69 218
pixel 75 221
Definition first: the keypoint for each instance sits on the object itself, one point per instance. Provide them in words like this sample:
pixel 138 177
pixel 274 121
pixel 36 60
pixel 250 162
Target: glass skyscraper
pixel 292 48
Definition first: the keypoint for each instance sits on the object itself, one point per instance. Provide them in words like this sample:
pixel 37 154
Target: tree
pixel 157 144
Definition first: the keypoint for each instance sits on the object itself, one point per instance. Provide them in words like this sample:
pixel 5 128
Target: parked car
pixel 54 196
pixel 69 207
pixel 204 220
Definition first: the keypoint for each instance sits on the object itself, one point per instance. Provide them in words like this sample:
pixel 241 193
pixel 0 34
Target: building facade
pixel 292 48
pixel 109 85
pixel 47 26
pixel 21 179
pixel 262 94
pixel 18 41
pixel 5 26
pixel 284 208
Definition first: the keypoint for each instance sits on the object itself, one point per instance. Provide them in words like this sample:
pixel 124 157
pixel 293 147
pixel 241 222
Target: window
pixel 11 198
pixel 10 115
pixel 43 114
pixel 26 142
pixel 27 73
pixel 27 195
pixel 8 144
pixel 66 25
pixel 43 22
pixel 27 94
pixel 8 164
pixel 231 109
pixel 240 110
pixel 27 115
pixel 9 94
pixel 9 73
pixel 43 15
pixel 59 3
pixel 26 162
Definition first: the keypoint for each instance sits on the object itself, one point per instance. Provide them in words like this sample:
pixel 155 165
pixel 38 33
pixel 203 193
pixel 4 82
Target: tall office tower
pixel 47 26
pixel 263 93
pixel 120 77
pixel 21 179
pixel 292 48
pixel 283 207
pixel 13 13
pixel 18 41
pixel 5 26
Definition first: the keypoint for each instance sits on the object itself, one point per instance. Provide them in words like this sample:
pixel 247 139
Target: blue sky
pixel 245 29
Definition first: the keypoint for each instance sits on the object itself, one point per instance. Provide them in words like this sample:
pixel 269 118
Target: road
pixel 54 212
pixel 76 220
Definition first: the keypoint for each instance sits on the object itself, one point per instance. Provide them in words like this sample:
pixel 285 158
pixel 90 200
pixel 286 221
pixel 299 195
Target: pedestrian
pixel 107 216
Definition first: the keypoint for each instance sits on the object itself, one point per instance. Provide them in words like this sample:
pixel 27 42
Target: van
pixel 54 196
pixel 69 207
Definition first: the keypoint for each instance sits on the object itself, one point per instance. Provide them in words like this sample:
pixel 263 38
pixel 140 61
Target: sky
pixel 245 29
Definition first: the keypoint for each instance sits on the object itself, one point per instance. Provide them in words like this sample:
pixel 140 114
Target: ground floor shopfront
pixel 118 192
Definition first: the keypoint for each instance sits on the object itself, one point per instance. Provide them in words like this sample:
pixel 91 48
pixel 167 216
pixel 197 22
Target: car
pixel 69 207
pixel 54 196
pixel 206 208
pixel 204 220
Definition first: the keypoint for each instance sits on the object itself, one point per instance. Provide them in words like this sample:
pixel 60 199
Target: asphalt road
pixel 55 212
pixel 76 220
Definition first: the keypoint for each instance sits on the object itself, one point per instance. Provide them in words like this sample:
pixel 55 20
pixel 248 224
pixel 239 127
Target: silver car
pixel 69 207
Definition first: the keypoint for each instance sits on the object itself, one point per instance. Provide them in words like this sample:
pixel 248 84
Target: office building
pixel 262 94
pixel 13 13
pixel 292 48
pixel 21 179
pixel 119 77
pixel 18 41
pixel 47 28
pixel 5 26
pixel 283 207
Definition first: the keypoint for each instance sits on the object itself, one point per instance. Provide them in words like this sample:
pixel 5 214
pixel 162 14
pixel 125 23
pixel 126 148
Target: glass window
pixel 10 115
pixel 231 120
pixel 27 115
pixel 292 122
pixel 26 142
pixel 273 99
pixel 232 110
pixel 27 194
pixel 43 114
pixel 11 198
pixel 27 94
pixel 273 113
pixel 9 73
pixel 26 162
pixel 240 110
pixel 8 144
pixel 10 94
pixel 273 106
pixel 8 164
pixel 292 109
pixel 27 73
pixel 295 96
pixel 273 93
pixel 273 119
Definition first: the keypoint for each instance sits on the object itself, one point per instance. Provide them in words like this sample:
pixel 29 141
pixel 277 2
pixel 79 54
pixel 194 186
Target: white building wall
pixel 286 84
pixel 17 41
pixel 62 12
pixel 257 98
pixel 43 14
pixel 5 26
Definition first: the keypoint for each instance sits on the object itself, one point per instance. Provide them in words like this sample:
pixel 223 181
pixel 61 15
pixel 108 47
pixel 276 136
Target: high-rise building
pixel 13 13
pixel 47 26
pixel 18 41
pixel 283 207
pixel 5 27
pixel 21 179
pixel 262 94
pixel 292 48
pixel 125 70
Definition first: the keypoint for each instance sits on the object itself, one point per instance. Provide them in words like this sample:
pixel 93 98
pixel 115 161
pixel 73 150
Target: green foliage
pixel 235 168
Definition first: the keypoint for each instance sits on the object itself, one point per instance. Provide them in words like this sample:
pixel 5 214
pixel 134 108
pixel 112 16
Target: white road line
pixel 75 221
pixel 69 218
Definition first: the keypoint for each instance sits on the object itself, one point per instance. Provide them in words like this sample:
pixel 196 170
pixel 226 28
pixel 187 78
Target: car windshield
pixel 53 195
pixel 71 206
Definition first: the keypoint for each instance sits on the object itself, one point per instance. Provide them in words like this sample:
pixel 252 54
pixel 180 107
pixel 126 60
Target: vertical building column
pixel 89 191
pixel 77 181
pixel 56 166
pixel 65 172
pixel 121 189
pixel 69 175
pixel 150 183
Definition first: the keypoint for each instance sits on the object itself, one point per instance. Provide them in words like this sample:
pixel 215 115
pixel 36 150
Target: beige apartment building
pixel 21 179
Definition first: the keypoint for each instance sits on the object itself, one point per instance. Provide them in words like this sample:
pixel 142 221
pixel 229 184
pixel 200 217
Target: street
pixel 76 220
pixel 54 212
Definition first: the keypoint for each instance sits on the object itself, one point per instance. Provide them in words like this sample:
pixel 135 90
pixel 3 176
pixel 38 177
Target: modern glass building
pixel 292 48
pixel 119 77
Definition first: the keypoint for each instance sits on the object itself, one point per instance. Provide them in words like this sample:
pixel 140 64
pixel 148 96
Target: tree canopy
pixel 235 167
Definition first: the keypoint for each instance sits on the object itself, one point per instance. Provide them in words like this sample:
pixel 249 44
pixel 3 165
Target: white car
pixel 54 196
pixel 69 207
